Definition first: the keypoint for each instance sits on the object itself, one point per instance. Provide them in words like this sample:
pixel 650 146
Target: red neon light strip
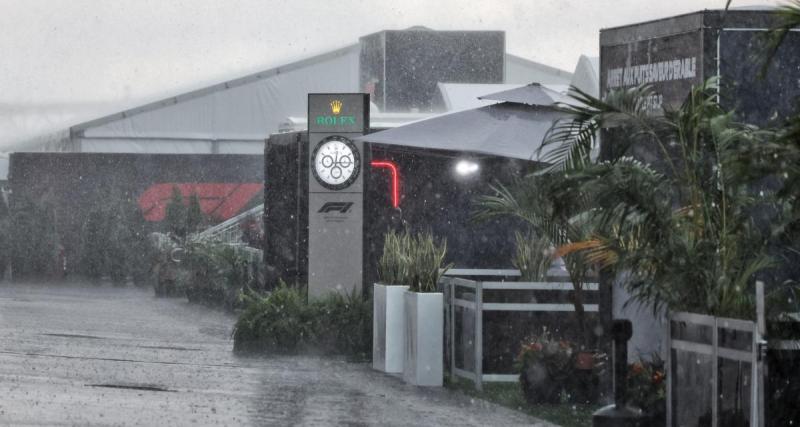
pixel 395 179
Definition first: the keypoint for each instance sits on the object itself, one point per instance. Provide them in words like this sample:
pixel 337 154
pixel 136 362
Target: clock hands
pixel 336 164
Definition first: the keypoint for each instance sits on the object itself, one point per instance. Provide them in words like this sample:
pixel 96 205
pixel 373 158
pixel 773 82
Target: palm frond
pixel 570 141
pixel 789 18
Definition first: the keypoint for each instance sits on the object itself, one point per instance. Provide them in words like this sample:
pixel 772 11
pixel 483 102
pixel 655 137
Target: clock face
pixel 336 162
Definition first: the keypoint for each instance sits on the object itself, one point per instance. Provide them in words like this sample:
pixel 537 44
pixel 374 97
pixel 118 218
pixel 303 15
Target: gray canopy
pixel 506 129
pixel 533 94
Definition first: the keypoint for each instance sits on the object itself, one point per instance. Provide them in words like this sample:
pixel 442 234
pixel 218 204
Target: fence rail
pixel 715 371
pixel 467 296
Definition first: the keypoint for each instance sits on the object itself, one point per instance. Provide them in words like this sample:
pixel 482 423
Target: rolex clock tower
pixel 336 191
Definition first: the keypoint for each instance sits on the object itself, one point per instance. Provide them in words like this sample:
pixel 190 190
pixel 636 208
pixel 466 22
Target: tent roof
pixel 504 129
pixel 227 85
pixel 533 94
pixel 218 87
pixel 236 114
pixel 461 96
pixel 587 75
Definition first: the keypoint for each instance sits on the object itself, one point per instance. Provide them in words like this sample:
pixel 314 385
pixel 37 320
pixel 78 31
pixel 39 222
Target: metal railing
pixel 229 231
pixel 715 371
pixel 465 305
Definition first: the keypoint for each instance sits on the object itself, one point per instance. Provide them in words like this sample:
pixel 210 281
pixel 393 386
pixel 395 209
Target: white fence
pixel 465 305
pixel 715 371
pixel 230 231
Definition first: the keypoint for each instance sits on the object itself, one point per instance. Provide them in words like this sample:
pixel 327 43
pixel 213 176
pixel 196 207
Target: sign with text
pixel 338 113
pixel 671 64
pixel 335 192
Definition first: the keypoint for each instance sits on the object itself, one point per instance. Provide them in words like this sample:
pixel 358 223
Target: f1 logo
pixel 341 207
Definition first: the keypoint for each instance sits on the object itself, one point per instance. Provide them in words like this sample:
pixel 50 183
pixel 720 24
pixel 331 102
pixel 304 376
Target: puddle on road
pixel 160 347
pixel 139 387
pixel 88 337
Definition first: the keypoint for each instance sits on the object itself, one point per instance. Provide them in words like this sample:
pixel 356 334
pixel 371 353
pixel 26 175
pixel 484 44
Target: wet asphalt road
pixel 78 355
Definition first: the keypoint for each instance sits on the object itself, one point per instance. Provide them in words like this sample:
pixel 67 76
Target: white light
pixel 466 167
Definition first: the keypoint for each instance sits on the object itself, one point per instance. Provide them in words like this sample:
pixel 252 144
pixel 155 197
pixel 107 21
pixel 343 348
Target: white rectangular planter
pixel 388 327
pixel 424 358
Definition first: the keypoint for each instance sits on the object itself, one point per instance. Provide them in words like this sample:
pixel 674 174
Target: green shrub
pixel 343 325
pixel 551 371
pixel 426 259
pixel 33 241
pixel 647 386
pixel 210 272
pixel 175 215
pixel 282 322
pixel 415 261
pixel 533 257
pixel 393 265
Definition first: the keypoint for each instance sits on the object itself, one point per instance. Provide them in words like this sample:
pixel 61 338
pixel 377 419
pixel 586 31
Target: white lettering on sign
pixel 676 69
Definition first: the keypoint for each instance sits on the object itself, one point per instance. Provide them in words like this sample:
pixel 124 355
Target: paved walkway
pixel 82 355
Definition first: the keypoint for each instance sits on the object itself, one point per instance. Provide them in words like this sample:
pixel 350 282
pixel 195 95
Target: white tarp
pixel 463 96
pixel 533 94
pixel 587 75
pixel 233 115
pixel 237 116
pixel 505 129
pixel 523 71
pixel 3 166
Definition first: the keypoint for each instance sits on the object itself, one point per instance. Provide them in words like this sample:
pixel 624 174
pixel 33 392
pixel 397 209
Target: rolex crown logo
pixel 336 106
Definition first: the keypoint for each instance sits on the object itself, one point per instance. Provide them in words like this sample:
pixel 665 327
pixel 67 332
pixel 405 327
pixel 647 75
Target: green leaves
pixel 277 323
pixel 283 322
pixel 685 239
pixel 413 260
pixel 691 228
pixel 789 18
pixel 570 142
pixel 533 257
pixel 393 267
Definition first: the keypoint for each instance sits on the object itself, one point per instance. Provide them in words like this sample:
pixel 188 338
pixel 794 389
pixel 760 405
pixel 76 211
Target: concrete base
pixel 388 327
pixel 612 416
pixel 423 364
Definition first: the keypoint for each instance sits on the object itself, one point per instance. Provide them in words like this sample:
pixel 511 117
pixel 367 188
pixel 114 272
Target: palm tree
pixel 788 19
pixel 717 204
pixel 547 204
pixel 681 228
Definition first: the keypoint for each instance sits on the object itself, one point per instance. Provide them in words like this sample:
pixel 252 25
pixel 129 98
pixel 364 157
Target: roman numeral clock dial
pixel 336 162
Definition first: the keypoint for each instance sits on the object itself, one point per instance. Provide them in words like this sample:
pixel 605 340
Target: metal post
pixel 715 375
pixel 669 372
pixel 618 414
pixel 452 294
pixel 759 362
pixel 478 342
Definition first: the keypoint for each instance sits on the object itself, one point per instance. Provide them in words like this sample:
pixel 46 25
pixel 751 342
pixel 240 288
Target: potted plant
pixel 424 312
pixel 533 258
pixel 545 366
pixel 647 388
pixel 550 371
pixel 388 324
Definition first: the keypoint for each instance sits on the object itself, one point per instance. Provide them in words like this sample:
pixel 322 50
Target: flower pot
pixel 424 344
pixel 541 383
pixel 584 360
pixel 388 327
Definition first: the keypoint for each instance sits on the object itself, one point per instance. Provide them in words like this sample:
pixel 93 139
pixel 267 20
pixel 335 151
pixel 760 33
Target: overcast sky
pixel 65 61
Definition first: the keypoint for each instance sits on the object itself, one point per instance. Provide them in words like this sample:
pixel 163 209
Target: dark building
pixel 68 188
pixel 401 68
pixel 431 198
pixel 675 53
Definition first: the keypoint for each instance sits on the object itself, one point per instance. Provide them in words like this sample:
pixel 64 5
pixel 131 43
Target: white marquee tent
pixel 238 115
